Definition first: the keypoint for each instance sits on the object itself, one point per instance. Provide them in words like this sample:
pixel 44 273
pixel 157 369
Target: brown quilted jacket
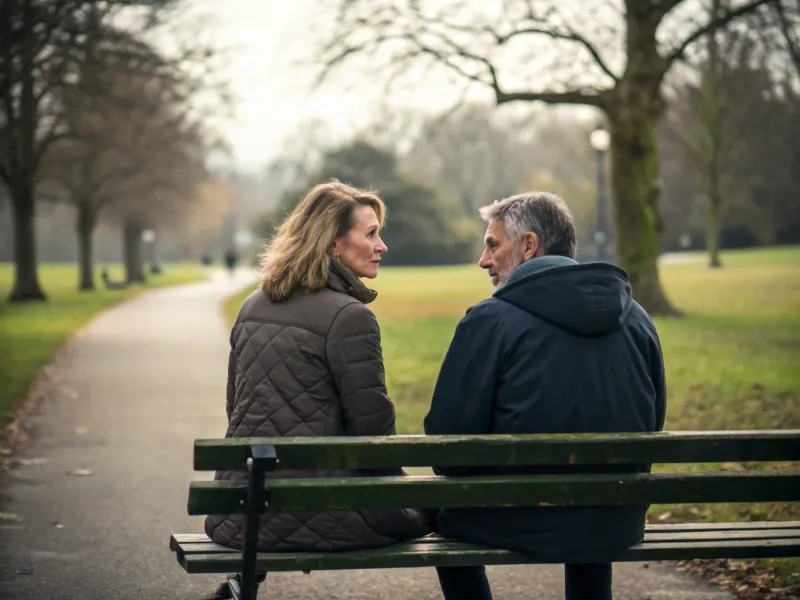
pixel 311 366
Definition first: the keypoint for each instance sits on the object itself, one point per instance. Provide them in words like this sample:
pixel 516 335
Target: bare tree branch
pixel 567 97
pixel 712 26
pixel 665 6
pixel 569 35
pixel 793 45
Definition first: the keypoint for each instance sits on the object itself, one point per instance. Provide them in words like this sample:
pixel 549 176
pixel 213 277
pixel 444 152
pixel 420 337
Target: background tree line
pixel 546 51
pixel 101 127
pixel 452 165
pixel 95 116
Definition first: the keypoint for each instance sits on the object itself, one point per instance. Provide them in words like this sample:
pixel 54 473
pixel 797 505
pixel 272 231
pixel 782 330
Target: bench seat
pixel 196 553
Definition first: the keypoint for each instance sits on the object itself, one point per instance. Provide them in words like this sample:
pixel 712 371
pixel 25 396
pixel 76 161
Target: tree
pixel 423 227
pixel 757 143
pixel 163 193
pixel 613 62
pixel 473 155
pixel 127 128
pixel 42 42
pixel 708 105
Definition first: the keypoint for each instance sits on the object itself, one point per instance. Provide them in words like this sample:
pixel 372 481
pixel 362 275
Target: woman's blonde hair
pixel 297 256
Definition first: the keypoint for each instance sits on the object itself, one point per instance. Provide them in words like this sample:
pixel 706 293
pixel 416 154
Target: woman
pixel 306 361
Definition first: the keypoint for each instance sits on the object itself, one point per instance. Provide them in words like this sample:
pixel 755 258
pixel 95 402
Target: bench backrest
pixel 597 488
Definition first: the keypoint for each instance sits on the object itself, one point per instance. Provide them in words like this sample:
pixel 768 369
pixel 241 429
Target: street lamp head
pixel 600 139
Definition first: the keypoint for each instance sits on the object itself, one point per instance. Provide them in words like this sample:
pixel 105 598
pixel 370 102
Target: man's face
pixel 500 255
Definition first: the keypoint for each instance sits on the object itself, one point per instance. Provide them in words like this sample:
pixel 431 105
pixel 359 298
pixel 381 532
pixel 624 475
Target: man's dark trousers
pixel 581 582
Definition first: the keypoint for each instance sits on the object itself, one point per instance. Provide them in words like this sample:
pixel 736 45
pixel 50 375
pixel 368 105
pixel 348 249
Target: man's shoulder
pixel 490 316
pixel 639 319
pixel 489 308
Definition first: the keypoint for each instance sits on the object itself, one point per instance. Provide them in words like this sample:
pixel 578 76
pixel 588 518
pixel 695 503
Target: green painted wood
pixel 764 525
pixel 222 497
pixel 418 555
pixel 177 539
pixel 437 544
pixel 188 538
pixel 492 450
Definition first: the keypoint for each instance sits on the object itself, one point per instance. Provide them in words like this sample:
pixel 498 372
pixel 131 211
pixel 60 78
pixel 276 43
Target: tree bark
pixel 132 252
pixel 636 186
pixel 26 278
pixel 86 222
pixel 634 110
pixel 713 99
pixel 713 230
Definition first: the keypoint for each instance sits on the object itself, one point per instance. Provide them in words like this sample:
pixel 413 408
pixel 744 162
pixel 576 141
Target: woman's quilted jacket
pixel 311 366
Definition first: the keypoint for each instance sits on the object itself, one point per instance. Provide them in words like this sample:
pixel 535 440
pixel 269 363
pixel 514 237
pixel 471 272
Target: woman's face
pixel 361 248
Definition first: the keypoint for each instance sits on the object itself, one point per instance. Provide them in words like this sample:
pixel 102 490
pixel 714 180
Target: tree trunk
pixel 85 225
pixel 635 183
pixel 26 277
pixel 713 99
pixel 712 235
pixel 132 252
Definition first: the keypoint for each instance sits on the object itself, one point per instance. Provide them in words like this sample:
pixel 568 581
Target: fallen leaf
pixel 81 430
pixel 57 525
pixel 79 472
pixel 10 517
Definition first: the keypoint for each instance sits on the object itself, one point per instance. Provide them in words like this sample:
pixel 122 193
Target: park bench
pixel 252 496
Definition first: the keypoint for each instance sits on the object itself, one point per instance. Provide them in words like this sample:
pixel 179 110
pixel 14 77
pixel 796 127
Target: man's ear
pixel 530 245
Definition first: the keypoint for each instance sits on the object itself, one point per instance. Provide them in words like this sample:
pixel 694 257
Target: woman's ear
pixel 334 249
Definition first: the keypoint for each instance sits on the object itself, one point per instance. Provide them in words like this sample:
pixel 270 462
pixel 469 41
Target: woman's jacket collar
pixel 342 279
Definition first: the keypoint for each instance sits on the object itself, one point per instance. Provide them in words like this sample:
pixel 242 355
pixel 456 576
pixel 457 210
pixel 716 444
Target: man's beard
pixel 503 275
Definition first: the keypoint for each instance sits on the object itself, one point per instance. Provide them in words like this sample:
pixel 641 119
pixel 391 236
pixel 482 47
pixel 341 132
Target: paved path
pixel 128 398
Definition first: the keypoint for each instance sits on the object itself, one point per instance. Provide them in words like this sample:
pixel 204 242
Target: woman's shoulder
pixel 314 310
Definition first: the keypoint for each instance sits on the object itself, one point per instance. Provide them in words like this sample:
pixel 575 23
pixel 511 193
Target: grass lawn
pixel 732 362
pixel 30 333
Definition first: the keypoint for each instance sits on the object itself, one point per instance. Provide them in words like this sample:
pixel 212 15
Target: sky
pixel 262 41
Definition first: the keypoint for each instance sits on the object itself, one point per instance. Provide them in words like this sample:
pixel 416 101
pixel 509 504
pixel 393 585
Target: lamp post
pixel 149 238
pixel 600 140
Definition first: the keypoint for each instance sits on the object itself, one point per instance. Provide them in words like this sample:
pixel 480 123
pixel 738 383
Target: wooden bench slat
pixel 493 450
pixel 766 525
pixel 223 497
pixel 177 539
pixel 439 543
pixel 416 555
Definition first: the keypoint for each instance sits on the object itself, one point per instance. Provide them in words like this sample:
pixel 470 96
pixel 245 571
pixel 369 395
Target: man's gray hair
pixel 541 213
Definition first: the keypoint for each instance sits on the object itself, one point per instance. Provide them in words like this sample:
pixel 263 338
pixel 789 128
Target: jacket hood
pixel 590 299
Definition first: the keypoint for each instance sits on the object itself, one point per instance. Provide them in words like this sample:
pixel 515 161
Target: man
pixel 558 348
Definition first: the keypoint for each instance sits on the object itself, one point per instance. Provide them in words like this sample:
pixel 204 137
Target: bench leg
pixel 262 459
pixel 233 587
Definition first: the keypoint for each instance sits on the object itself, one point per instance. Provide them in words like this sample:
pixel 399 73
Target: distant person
pixel 558 348
pixel 230 260
pixel 312 298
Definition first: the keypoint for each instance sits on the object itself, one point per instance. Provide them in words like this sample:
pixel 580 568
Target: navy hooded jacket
pixel 559 348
